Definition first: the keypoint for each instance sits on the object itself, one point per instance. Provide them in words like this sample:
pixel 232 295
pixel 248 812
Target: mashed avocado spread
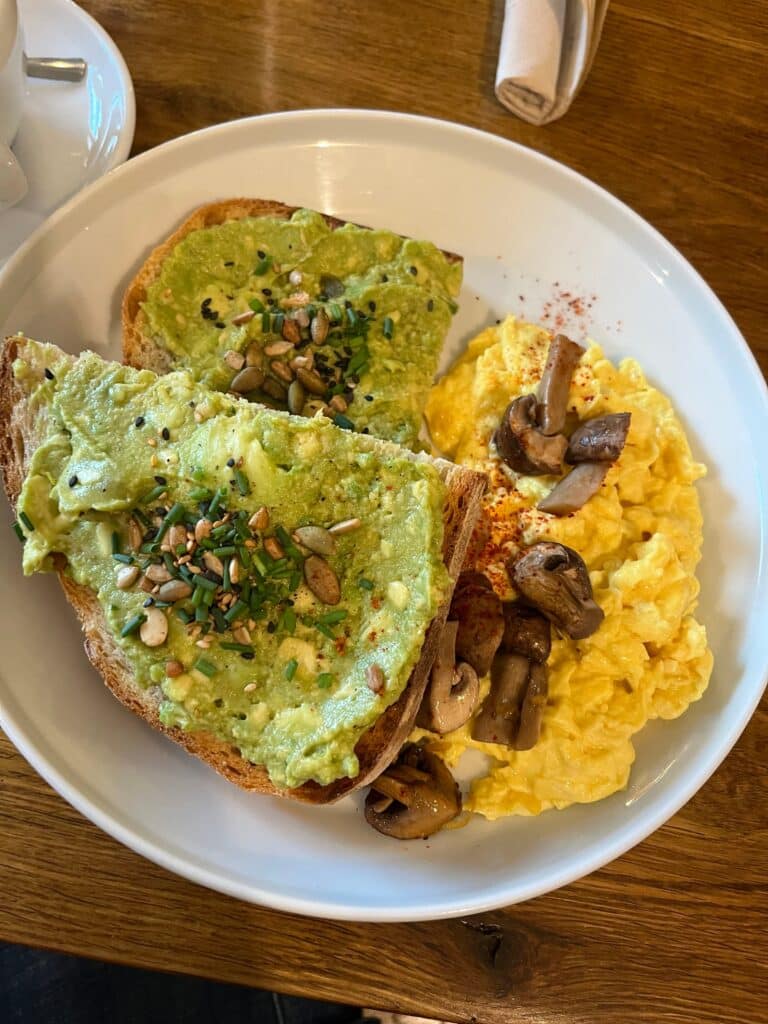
pixel 364 311
pixel 193 514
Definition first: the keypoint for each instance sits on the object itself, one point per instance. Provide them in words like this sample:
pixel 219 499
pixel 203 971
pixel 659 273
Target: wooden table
pixel 673 121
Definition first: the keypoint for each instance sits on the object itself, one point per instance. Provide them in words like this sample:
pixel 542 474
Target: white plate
pixel 527 227
pixel 70 133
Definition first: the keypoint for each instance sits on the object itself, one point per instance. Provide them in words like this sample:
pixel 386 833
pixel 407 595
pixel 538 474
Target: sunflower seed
pixel 291 331
pixel 374 678
pixel 174 590
pixel 127 576
pixel 345 526
pixel 157 573
pixel 259 520
pixel 296 397
pixel 243 318
pixel 278 348
pixel 312 381
pixel 319 328
pixel 281 370
pixel 235 360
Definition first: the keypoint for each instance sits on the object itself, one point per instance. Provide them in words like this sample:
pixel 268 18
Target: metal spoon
pixel 61 69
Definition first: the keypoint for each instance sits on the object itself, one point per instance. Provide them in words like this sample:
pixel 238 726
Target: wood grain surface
pixel 673 121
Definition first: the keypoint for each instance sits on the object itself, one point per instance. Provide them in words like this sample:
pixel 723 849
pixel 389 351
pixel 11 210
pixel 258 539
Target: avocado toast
pixel 297 310
pixel 267 591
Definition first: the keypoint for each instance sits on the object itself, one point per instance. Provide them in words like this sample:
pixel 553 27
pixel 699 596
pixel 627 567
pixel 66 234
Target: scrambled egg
pixel 640 537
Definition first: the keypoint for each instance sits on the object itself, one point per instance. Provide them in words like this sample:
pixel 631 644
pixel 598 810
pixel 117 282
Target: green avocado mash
pixel 385 302
pixel 153 488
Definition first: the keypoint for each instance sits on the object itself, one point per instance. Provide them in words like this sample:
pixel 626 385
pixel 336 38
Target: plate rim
pixel 610 848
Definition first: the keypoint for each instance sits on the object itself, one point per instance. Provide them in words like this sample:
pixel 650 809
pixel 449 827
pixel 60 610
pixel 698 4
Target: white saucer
pixel 70 134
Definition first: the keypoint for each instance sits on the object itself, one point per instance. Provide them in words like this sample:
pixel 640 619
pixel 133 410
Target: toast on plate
pixel 297 310
pixel 59 417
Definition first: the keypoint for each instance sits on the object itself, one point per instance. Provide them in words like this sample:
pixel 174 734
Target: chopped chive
pixel 245 557
pixel 200 494
pixel 219 622
pixel 226 645
pixel 330 617
pixel 256 305
pixel 365 583
pixel 181 549
pixel 335 311
pixel 266 320
pixel 150 548
pixel 205 584
pixel 237 609
pixel 242 482
pixel 220 531
pixel 26 521
pixel 228 550
pixel 453 306
pixel 168 559
pixel 197 597
pixel 343 421
pixel 277 323
pixel 287 620
pixel 325 630
pixel 258 564
pixel 201 613
pixel 290 669
pixel 245 591
pixel 115 542
pixel 206 667
pixel 133 624
pixel 262 266
pixel 226 583
pixel 19 532
pixel 125 559
pixel 151 495
pixel 216 500
pixel 183 616
pixel 325 680
pixel 295 580
pixel 388 327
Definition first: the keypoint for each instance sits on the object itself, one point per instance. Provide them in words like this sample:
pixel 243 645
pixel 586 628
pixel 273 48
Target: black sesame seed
pixel 219 324
pixel 271 627
pixel 231 297
pixel 48 374
pixel 230 463
pixel 261 254
pixel 266 291
pixel 165 434
pixel 431 305
pixel 161 480
pixel 206 302
pixel 139 421
pixel 271 301
pixel 149 602
pixel 413 270
pixel 229 263
pixel 247 655
pixel 322 297
pixel 384 278
pixel 365 430
pixel 372 306
pixel 347 304
pixel 368 398
pixel 73 481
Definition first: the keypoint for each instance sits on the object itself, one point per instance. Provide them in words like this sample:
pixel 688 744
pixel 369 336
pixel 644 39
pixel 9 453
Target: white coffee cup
pixel 13 183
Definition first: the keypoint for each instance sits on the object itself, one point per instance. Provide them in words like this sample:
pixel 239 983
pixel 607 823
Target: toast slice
pixel 23 425
pixel 400 291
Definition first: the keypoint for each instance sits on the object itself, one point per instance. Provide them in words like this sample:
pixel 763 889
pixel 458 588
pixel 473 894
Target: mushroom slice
pixel 526 632
pixel 453 690
pixel 414 797
pixel 532 711
pixel 575 489
pixel 522 445
pixel 480 618
pixel 555 383
pixel 599 440
pixel 499 719
pixel 554 579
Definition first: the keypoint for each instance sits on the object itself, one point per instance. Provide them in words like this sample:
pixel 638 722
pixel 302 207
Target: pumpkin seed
pixel 274 389
pixel 316 538
pixel 278 348
pixel 260 519
pixel 322 580
pixel 345 526
pixel 291 331
pixel 174 590
pixel 374 678
pixel 312 381
pixel 296 397
pixel 214 563
pixel 281 370
pixel 127 576
pixel 254 355
pixel 247 380
pixel 157 573
pixel 235 360
pixel 243 318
